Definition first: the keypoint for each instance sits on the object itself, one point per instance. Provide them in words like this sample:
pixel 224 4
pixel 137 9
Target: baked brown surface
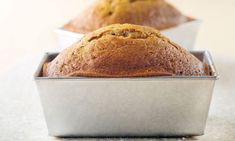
pixel 124 50
pixel 154 13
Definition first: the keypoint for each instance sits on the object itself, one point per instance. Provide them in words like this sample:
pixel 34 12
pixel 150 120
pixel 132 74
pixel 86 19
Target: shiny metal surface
pixel 153 106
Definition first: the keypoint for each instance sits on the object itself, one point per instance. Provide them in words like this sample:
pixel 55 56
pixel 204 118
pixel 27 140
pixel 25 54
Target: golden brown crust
pixel 154 13
pixel 44 69
pixel 125 50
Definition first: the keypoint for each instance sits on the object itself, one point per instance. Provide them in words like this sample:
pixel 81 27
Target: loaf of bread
pixel 124 50
pixel 154 13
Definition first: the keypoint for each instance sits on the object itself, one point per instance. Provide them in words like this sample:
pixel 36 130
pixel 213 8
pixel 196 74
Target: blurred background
pixel 26 31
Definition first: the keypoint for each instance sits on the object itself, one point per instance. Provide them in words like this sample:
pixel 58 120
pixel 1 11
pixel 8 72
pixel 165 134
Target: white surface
pixel 27 30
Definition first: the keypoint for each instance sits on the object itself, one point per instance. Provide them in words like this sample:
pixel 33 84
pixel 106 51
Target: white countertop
pixel 26 31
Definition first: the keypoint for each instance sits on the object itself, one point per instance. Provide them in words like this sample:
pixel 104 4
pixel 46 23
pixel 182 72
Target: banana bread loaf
pixel 154 13
pixel 124 50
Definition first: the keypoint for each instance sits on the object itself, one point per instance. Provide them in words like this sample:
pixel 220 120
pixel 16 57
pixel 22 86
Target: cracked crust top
pixel 154 13
pixel 124 50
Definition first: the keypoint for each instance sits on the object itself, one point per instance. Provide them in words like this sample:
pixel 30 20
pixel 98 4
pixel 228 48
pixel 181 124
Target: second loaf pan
pixel 144 106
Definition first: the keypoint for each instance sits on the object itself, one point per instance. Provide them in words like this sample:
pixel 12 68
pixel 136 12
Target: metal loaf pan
pixel 144 106
pixel 184 34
